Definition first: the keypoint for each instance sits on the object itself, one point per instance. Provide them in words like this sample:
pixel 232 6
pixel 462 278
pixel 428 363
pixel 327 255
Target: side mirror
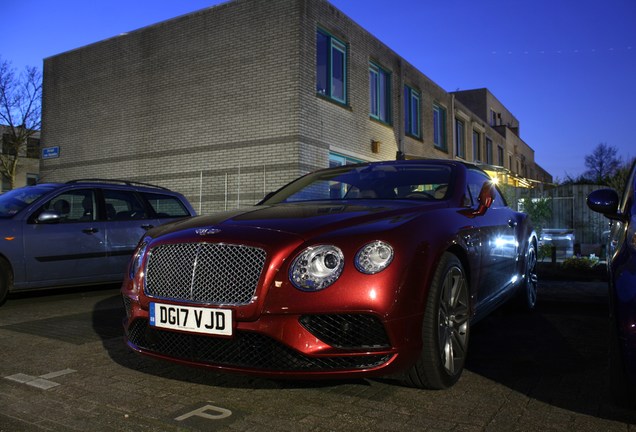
pixel 486 198
pixel 604 201
pixel 48 217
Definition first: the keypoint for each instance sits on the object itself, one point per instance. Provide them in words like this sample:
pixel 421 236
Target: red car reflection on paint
pixel 355 271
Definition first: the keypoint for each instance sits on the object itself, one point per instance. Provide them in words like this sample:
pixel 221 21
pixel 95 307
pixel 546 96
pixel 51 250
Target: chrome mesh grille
pixel 215 273
pixel 244 350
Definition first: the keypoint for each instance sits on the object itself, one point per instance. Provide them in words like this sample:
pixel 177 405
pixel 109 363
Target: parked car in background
pixel 561 239
pixel 77 233
pixel 361 270
pixel 621 265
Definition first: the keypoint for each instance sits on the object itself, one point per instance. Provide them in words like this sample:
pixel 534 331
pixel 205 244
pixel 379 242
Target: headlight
pixel 138 258
pixel 316 267
pixel 374 257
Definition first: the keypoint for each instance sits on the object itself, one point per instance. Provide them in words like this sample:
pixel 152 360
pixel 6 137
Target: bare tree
pixel 618 180
pixel 602 163
pixel 20 114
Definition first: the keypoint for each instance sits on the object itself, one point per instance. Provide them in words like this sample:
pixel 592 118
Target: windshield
pixel 375 182
pixel 12 202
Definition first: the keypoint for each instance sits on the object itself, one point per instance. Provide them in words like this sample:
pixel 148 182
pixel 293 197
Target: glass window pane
pixel 123 205
pixel 438 125
pixel 73 206
pixel 415 114
pixel 373 92
pixel 322 54
pixel 383 97
pixel 338 73
pixel 407 113
pixel 166 205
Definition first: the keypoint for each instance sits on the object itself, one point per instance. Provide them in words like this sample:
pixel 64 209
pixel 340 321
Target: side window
pixel 476 180
pixel 73 206
pixel 499 199
pixel 166 206
pixel 123 205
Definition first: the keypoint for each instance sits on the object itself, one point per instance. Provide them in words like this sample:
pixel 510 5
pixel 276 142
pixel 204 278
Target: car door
pixel 127 219
pixel 69 248
pixel 499 246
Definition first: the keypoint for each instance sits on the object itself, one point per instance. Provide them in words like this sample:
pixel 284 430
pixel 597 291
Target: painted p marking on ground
pixel 218 413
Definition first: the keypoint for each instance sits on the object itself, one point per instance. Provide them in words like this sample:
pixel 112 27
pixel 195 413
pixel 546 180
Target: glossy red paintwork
pixel 419 232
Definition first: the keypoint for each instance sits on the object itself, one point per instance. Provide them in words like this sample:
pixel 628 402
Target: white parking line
pixel 42 381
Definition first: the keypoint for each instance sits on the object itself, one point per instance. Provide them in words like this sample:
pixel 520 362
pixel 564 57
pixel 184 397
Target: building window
pixel 33 148
pixel 460 141
pixel 493 118
pixel 379 93
pixel 32 179
pixel 476 146
pixel 331 67
pixel 500 156
pixel 489 154
pixel 412 112
pixel 6 184
pixel 336 160
pixel 439 127
pixel 8 146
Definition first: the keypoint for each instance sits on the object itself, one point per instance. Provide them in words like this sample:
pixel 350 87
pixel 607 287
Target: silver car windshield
pixel 370 182
pixel 14 201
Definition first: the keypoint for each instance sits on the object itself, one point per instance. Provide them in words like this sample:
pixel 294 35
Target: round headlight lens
pixel 316 267
pixel 374 257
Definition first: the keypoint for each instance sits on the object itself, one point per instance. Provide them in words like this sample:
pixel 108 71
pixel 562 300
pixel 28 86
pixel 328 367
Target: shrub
pixel 579 263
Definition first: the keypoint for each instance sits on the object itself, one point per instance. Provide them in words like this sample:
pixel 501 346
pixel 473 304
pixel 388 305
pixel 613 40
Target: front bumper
pixel 300 346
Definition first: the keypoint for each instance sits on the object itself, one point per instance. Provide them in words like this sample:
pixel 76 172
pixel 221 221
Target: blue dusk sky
pixel 565 68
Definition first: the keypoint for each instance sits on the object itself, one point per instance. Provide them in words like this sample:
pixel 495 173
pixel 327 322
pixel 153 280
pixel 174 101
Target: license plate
pixel 191 319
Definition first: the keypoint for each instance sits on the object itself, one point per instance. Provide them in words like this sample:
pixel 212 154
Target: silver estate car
pixel 77 233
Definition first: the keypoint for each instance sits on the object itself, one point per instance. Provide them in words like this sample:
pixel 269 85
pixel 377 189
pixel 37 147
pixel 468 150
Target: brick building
pixel 230 102
pixel 28 168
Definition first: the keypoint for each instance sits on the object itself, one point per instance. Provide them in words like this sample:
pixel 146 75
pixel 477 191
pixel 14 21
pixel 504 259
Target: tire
pixel 621 392
pixel 445 329
pixel 6 279
pixel 528 293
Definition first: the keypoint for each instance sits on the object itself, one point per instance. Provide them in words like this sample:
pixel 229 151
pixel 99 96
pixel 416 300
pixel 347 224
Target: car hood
pixel 308 219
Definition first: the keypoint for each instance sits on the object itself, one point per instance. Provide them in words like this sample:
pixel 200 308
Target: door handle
pixel 147 226
pixel 90 230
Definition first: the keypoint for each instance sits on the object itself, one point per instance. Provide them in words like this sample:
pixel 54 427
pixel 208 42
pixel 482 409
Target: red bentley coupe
pixel 356 271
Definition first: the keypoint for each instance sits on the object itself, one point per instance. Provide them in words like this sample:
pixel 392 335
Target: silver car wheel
pixel 453 320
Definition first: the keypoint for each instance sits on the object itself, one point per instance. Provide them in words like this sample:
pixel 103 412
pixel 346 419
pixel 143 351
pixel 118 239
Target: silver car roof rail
pixel 115 181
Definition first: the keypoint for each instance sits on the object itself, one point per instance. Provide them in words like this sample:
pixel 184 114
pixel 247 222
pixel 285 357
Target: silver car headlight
pixel 374 257
pixel 316 267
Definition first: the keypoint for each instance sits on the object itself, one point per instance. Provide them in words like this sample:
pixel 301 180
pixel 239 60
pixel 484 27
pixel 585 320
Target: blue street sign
pixel 51 152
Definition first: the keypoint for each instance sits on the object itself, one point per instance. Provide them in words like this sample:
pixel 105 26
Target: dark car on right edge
pixel 621 265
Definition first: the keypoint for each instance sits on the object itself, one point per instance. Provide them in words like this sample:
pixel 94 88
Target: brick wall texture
pixel 221 104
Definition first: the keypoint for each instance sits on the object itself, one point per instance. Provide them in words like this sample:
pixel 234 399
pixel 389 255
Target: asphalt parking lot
pixel 64 367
